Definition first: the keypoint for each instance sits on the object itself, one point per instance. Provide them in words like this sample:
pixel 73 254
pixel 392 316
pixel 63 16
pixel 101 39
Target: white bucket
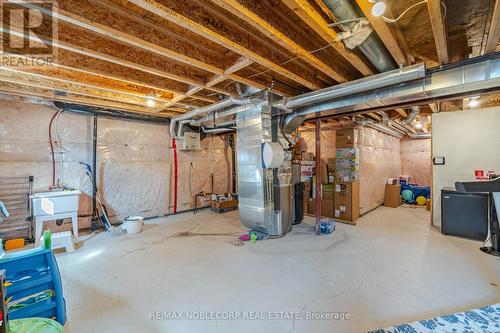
pixel 133 224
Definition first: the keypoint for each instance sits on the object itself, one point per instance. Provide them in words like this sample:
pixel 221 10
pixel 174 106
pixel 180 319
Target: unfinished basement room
pixel 250 166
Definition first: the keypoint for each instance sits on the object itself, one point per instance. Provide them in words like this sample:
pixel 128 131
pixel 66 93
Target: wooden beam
pixel 315 21
pixel 120 36
pixel 104 57
pixel 402 112
pixel 81 84
pixel 384 32
pixel 434 107
pixel 374 116
pixel 47 84
pixel 494 32
pixel 242 12
pixel 439 30
pixel 48 94
pixel 168 14
pixel 239 64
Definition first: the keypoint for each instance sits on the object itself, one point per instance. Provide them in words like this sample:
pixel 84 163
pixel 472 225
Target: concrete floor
pixel 391 268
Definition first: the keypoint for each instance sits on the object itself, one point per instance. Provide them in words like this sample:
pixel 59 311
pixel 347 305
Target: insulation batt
pixel 416 160
pixel 135 163
pixel 379 159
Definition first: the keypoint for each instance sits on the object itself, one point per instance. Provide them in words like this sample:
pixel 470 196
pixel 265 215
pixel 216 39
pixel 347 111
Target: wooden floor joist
pixel 139 43
pixel 279 37
pixel 101 56
pixel 166 13
pixel 241 63
pixel 439 30
pixel 494 32
pixel 317 23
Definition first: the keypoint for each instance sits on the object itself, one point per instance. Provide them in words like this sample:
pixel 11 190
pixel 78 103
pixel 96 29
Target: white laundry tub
pixel 56 202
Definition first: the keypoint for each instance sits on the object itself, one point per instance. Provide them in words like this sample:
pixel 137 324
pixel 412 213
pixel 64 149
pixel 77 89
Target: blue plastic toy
pixel 33 272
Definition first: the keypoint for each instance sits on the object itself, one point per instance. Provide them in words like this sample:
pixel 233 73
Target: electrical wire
pixel 389 20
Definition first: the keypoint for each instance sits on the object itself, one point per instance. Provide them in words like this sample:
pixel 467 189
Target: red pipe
pixel 318 177
pixel 174 147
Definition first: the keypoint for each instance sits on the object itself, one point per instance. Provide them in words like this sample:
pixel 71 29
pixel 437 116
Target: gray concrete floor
pixel 391 268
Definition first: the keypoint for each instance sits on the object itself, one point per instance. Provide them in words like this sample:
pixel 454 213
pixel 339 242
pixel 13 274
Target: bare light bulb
pixel 150 102
pixel 474 102
pixel 378 8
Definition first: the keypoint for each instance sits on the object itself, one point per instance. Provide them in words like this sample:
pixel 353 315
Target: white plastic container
pixel 133 224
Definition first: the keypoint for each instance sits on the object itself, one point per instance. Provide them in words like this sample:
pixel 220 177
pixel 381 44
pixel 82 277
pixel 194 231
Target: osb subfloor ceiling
pixel 167 56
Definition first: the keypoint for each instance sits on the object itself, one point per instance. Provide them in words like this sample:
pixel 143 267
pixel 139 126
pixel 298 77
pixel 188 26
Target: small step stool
pixel 62 239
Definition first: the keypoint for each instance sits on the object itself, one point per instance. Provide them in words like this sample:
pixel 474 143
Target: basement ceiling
pixel 184 54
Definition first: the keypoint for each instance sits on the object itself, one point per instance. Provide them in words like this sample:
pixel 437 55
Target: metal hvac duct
pixel 208 109
pixel 378 126
pixel 264 194
pixel 345 89
pixel 466 78
pixel 415 110
pixel 372 47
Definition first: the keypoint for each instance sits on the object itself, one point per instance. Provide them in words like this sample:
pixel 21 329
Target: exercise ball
pixel 407 195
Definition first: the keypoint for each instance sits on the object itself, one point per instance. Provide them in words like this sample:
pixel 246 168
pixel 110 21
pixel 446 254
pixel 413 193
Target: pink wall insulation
pixel 327 141
pixel 134 160
pixel 379 160
pixel 416 160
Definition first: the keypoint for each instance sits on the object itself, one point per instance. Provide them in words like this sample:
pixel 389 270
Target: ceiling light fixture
pixel 378 8
pixel 474 101
pixel 150 101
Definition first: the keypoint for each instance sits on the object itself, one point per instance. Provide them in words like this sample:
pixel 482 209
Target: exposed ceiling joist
pixel 402 112
pixel 315 21
pixel 168 14
pixel 278 37
pixel 384 32
pixel 494 32
pixel 241 63
pixel 435 9
pixel 122 62
pixel 48 93
pixel 137 42
pixel 86 85
pixel 76 90
pixel 101 74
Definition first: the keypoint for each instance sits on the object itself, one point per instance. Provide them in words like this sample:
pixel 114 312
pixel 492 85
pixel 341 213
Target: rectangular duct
pixel 265 199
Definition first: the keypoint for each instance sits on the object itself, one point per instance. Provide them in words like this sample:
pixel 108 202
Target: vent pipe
pixel 371 47
pixel 415 110
pixel 186 117
pixel 378 126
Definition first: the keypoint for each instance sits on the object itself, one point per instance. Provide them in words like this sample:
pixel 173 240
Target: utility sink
pixel 55 202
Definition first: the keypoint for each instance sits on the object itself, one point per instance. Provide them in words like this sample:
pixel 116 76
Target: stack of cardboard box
pixel 339 181
pixel 346 197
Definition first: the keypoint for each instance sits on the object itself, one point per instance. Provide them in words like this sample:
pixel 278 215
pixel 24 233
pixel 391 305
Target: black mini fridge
pixel 465 214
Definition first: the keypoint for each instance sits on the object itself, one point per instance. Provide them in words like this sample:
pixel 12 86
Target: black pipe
pixel 112 113
pixel 95 219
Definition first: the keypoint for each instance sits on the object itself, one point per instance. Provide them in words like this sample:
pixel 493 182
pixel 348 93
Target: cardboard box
pixel 327 208
pixel 311 206
pixel 307 157
pixel 347 138
pixel 392 196
pixel 346 201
